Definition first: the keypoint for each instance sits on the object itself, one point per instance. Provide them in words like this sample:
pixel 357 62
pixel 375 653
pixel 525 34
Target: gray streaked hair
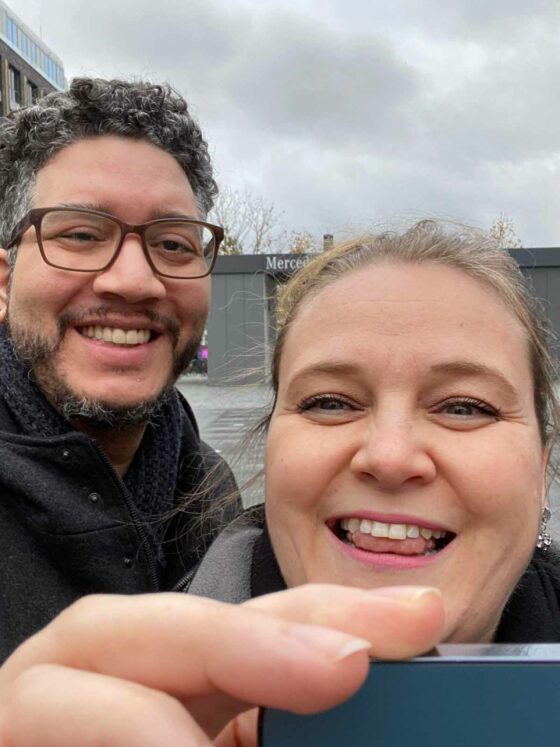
pixel 31 136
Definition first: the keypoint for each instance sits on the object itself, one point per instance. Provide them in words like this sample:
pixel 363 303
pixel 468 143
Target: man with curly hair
pixel 104 294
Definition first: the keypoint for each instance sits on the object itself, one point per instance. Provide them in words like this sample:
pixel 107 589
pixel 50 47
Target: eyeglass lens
pixel 85 241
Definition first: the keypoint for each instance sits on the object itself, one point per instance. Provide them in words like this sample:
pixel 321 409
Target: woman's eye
pixel 469 408
pixel 327 404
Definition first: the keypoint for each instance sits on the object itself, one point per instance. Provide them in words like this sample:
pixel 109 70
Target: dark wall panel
pixel 238 329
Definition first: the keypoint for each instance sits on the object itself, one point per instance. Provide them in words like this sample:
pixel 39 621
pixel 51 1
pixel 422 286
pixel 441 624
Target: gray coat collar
pixel 226 570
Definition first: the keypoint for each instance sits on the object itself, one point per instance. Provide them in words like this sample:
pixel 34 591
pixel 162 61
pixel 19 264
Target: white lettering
pixel 275 262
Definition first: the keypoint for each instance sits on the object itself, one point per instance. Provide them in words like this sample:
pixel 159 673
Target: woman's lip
pixel 388 519
pixel 388 561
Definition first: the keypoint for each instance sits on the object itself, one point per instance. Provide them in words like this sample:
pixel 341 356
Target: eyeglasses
pixel 83 240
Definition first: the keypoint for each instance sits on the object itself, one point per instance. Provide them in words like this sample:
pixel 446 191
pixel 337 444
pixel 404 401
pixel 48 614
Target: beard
pixel 38 353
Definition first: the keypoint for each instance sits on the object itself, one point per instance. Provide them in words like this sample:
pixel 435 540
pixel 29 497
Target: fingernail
pixel 331 643
pixel 406 593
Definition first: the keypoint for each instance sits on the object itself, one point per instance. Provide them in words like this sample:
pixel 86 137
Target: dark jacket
pixel 69 527
pixel 241 565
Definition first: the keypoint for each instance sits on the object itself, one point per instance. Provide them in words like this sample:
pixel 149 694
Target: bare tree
pixel 503 231
pixel 251 224
pixel 301 242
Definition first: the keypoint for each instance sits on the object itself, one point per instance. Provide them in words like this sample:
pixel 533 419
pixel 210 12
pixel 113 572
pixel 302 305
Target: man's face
pixel 52 313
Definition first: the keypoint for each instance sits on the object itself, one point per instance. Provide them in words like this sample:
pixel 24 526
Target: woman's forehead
pixel 407 287
pixel 407 307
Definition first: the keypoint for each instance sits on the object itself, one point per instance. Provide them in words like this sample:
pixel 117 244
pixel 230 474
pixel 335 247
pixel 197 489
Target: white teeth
pixel 392 531
pixel 116 335
pixel 379 529
pixel 397 531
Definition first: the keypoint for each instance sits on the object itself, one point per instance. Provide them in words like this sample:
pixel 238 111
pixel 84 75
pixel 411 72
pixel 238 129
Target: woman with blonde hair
pixel 409 440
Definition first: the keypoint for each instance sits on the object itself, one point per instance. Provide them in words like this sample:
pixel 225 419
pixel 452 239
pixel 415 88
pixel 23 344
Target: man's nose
pixel 130 276
pixel 395 455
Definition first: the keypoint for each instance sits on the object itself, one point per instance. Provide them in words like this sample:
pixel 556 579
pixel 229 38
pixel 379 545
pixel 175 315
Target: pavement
pixel 226 414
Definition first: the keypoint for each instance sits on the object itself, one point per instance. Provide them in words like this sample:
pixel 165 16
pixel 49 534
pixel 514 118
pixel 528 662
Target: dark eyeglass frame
pixel 35 218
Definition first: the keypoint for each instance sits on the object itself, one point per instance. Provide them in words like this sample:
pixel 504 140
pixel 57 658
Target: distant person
pixel 104 294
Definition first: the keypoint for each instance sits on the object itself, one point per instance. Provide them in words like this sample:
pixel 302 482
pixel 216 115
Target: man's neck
pixel 119 445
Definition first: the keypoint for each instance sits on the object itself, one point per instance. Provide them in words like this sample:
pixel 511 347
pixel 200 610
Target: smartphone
pixel 457 696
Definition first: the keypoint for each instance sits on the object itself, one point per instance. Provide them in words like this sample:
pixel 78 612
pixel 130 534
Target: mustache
pixel 104 312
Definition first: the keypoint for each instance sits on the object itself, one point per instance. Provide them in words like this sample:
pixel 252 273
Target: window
pixel 32 93
pixel 12 31
pixel 14 87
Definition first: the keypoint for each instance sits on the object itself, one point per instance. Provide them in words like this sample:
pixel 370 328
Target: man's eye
pixel 80 236
pixel 170 245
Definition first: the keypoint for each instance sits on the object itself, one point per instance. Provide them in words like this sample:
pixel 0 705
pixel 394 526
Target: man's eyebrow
pixel 155 214
pixel 101 208
pixel 84 206
pixel 469 368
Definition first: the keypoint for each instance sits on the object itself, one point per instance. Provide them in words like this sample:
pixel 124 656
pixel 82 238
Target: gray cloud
pixel 343 114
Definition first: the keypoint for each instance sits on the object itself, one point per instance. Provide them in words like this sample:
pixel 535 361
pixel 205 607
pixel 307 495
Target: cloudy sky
pixel 350 114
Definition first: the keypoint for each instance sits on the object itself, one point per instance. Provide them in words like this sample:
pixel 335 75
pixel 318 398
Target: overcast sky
pixel 350 113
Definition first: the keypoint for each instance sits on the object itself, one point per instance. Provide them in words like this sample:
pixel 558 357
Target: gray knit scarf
pixel 152 476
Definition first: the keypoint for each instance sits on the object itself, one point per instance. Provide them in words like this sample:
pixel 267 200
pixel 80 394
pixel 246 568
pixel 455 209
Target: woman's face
pixel 404 446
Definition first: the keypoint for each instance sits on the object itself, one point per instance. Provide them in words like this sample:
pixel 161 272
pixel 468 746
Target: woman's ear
pixel 4 276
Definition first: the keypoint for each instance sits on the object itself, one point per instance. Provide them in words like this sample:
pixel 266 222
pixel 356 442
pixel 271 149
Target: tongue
pixel 408 546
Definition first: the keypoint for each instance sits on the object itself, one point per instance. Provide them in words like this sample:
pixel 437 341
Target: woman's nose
pixel 395 457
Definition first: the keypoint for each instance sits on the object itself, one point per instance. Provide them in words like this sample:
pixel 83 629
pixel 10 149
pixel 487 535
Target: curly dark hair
pixel 30 137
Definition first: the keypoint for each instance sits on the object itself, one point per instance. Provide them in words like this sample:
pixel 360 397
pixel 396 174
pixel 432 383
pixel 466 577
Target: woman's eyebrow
pixel 471 369
pixel 328 367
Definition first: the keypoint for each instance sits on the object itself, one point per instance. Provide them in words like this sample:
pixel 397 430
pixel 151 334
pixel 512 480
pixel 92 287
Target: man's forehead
pixel 101 172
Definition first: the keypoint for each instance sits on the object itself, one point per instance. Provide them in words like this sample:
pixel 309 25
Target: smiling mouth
pixel 117 335
pixel 397 539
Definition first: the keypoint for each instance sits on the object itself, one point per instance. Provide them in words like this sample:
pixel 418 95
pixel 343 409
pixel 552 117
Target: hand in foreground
pixel 175 669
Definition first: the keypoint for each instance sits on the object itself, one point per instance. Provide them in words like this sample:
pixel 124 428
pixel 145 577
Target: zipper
pixel 135 516
pixel 185 582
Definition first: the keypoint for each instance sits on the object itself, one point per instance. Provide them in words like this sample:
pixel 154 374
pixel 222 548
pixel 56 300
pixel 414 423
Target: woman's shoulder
pixel 225 571
pixel 532 613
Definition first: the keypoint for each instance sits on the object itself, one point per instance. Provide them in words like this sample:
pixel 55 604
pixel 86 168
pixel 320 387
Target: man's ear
pixel 4 275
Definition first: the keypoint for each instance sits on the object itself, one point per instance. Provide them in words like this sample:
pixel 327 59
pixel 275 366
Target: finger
pixel 51 706
pixel 242 731
pixel 190 646
pixel 400 621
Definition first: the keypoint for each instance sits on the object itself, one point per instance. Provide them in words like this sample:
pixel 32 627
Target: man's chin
pixel 101 410
pixel 97 414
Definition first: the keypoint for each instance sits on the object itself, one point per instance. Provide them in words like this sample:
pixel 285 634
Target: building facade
pixel 28 68
pixel 242 323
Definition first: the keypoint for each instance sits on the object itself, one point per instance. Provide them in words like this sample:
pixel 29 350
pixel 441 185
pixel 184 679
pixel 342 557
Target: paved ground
pixel 225 417
pixel 226 414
